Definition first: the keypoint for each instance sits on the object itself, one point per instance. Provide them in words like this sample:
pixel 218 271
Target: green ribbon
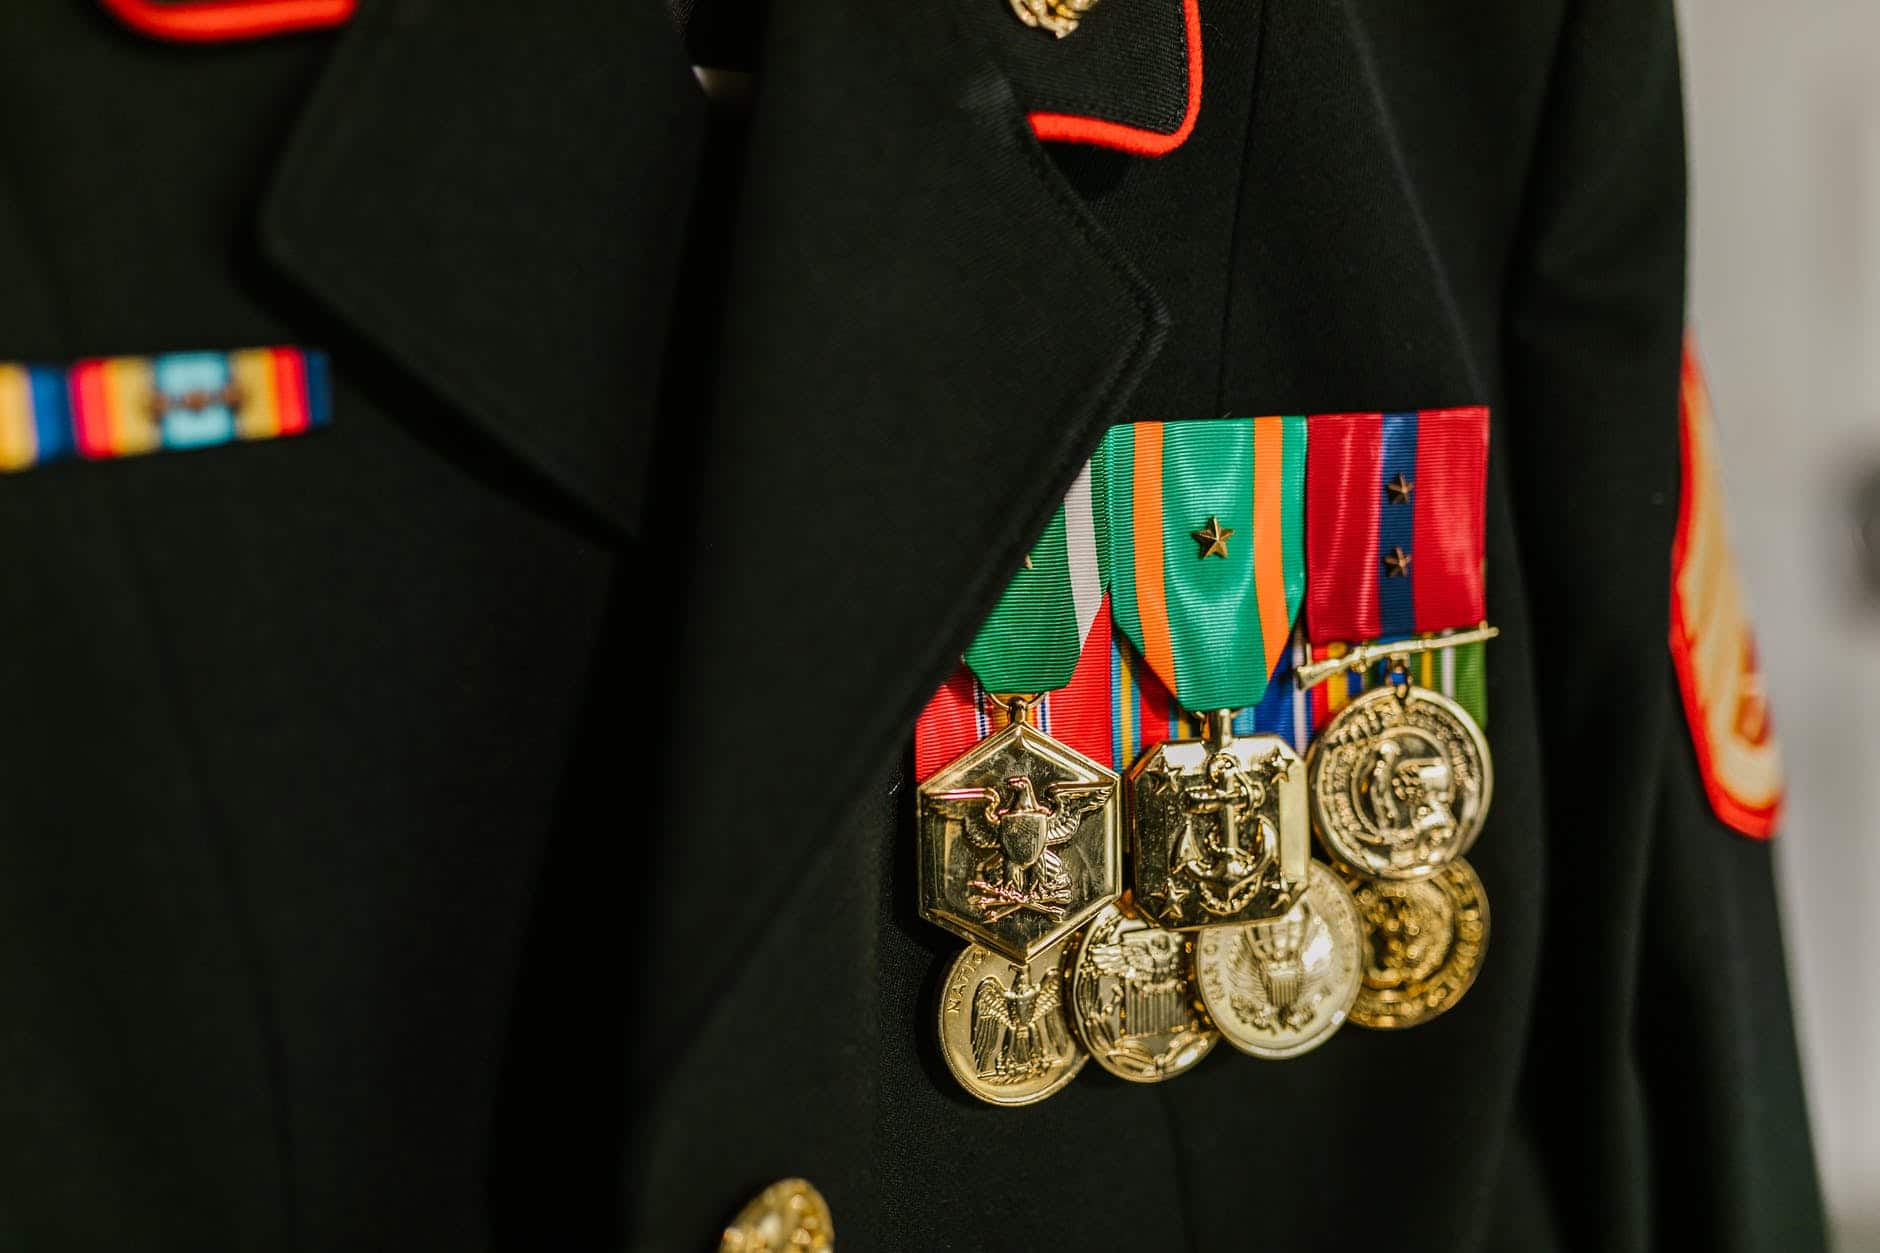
pixel 1211 619
pixel 1033 638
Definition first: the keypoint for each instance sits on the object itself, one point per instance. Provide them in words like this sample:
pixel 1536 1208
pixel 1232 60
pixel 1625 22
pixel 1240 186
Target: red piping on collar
pixel 1075 128
pixel 219 21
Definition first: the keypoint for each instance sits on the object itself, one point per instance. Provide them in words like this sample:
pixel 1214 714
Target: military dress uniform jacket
pixel 482 822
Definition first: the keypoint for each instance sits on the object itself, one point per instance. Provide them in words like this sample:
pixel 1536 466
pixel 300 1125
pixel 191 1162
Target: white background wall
pixel 1784 100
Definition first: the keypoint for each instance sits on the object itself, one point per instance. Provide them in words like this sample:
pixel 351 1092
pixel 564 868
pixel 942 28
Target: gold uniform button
pixel 790 1216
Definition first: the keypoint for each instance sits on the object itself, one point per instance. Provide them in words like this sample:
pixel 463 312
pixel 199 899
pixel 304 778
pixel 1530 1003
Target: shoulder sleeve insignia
pixel 1712 646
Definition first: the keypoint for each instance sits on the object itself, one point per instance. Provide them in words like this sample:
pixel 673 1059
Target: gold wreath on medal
pixel 1400 781
pixel 1424 941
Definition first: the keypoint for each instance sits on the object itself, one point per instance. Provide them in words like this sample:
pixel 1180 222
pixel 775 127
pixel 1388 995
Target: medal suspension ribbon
pixel 1395 543
pixel 1048 637
pixel 1395 528
pixel 1207 538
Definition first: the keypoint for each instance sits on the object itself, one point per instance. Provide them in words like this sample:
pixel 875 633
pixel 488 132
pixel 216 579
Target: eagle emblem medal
pixel 1021 841
pixel 1003 1028
pixel 1281 988
pixel 1133 997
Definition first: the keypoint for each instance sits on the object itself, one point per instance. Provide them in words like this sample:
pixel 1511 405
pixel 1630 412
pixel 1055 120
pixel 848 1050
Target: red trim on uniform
pixel 1074 128
pixel 1449 494
pixel 219 21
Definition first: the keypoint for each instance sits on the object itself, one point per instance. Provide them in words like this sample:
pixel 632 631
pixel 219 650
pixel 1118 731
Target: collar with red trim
pixel 221 21
pixel 1128 77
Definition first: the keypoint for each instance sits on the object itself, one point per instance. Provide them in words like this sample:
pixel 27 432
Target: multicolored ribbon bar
pixel 1394 531
pixel 109 407
pixel 1145 714
pixel 962 712
pixel 1457 673
pixel 1207 560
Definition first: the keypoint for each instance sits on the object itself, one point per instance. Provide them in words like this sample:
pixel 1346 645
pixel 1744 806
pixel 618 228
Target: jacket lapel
pixel 498 201
pixel 920 336
pixel 926 336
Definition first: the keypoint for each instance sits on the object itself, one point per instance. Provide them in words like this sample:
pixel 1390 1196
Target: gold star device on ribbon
pixel 1213 538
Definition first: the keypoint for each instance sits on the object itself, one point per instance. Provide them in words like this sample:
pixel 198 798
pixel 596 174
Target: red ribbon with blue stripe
pixel 1394 523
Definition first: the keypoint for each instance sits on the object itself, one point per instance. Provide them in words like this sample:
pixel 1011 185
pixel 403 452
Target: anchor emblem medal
pixel 1208 569
pixel 1219 825
pixel 1020 835
pixel 1400 777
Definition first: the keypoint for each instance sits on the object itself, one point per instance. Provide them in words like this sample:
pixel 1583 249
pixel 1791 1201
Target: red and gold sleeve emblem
pixel 1712 645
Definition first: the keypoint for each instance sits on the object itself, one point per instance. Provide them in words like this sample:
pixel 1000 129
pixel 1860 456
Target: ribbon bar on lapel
pixel 109 407
pixel 1395 529
pixel 1211 618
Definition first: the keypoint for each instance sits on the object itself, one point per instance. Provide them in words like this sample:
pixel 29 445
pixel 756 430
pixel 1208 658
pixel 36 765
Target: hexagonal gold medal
pixel 1021 842
pixel 1220 830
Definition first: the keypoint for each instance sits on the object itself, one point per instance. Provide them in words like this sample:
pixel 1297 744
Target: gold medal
pixel 1399 782
pixel 1219 828
pixel 1003 1027
pixel 1278 989
pixel 1021 841
pixel 1133 997
pixel 1423 944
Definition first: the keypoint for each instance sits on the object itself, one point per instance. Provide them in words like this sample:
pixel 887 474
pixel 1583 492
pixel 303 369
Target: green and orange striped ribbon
pixel 1212 627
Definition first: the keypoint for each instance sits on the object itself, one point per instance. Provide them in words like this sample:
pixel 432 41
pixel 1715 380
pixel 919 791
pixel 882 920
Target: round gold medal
pixel 1278 989
pixel 1133 997
pixel 1423 944
pixel 1003 1027
pixel 1399 782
